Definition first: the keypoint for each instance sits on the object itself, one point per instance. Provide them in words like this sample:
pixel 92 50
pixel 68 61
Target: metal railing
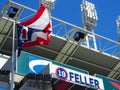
pixel 104 45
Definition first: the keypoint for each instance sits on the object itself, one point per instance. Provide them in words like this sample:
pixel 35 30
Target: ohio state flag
pixel 36 30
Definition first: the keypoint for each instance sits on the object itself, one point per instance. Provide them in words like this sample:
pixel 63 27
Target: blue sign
pixel 36 65
pixel 28 63
pixel 109 84
pixel 23 63
pixel 61 73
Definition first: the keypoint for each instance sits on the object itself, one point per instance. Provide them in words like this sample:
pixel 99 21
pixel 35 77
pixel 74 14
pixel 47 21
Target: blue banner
pixel 36 65
pixel 29 63
pixel 109 84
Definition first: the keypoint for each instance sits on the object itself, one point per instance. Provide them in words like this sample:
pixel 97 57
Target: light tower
pixel 118 27
pixel 49 4
pixel 89 21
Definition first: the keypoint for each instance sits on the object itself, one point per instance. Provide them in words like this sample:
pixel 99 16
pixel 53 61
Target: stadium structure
pixel 76 58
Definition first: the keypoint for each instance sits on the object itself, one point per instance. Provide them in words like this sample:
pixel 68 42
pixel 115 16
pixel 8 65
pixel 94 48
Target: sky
pixel 107 11
pixel 69 11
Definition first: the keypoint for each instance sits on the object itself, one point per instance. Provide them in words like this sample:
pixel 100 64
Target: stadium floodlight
pixel 50 0
pixel 89 15
pixel 49 4
pixel 118 27
pixel 78 35
pixel 12 12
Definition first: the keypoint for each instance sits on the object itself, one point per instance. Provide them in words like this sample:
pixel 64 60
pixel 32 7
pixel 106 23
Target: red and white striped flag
pixel 36 30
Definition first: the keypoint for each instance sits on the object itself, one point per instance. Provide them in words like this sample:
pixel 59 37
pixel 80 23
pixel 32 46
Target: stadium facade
pixel 91 63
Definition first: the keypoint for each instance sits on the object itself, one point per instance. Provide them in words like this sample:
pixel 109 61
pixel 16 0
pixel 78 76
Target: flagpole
pixel 13 58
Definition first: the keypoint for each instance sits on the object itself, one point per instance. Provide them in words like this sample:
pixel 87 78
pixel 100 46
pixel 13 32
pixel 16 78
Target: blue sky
pixel 69 10
pixel 107 10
